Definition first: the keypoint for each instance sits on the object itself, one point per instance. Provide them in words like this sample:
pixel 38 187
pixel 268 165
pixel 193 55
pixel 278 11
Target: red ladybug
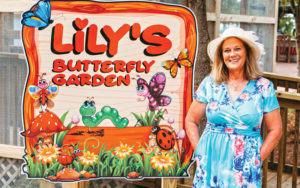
pixel 66 159
pixel 164 138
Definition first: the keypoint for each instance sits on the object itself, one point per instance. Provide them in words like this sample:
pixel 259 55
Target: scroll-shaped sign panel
pixel 108 89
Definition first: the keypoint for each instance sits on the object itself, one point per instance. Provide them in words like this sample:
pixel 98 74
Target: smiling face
pixel 234 54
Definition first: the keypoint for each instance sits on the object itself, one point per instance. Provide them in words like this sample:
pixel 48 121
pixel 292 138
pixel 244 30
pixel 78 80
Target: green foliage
pixel 150 118
pixel 110 165
pixel 59 137
pixel 287 25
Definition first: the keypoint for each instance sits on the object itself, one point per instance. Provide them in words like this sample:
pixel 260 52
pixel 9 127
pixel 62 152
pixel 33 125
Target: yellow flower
pixel 88 158
pixel 162 161
pixel 123 150
pixel 149 150
pixel 47 153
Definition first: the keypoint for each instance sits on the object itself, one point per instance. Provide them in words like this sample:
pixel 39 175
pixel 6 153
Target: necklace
pixel 236 87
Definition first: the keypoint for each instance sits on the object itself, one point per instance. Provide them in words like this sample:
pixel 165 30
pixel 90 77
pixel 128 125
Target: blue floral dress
pixel 228 153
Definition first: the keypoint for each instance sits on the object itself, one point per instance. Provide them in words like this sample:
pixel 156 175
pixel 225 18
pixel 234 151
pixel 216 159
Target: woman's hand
pixel 274 126
pixel 193 117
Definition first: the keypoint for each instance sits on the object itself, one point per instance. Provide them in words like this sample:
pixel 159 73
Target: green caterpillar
pixel 88 109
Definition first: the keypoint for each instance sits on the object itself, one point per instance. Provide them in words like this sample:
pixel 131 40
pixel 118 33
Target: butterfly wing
pixel 39 16
pixel 172 66
pixel 185 62
pixel 52 91
pixel 183 54
pixel 163 100
pixel 34 92
pixel 50 103
pixel 157 84
pixel 43 10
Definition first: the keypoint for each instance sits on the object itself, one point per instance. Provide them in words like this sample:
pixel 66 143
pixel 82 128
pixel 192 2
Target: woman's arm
pixel 193 117
pixel 273 123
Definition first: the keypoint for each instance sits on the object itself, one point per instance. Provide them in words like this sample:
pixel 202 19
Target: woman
pixel 235 99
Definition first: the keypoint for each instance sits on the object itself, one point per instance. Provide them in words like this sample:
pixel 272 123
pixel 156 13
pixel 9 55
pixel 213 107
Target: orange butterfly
pixel 173 65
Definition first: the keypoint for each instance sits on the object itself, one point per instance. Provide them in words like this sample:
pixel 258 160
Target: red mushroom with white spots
pixel 44 126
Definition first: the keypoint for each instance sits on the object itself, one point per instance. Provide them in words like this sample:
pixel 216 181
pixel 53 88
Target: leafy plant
pixel 150 118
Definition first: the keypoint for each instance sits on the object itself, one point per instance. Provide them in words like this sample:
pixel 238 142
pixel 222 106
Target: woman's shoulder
pixel 262 81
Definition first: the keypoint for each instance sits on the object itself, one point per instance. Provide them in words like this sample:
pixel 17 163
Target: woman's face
pixel 234 54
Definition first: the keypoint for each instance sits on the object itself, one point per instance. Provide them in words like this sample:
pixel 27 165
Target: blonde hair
pixel 220 72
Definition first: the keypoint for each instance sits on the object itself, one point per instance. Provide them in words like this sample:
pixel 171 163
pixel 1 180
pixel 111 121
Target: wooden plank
pixel 70 185
pixel 296 141
pixel 240 18
pixel 275 34
pixel 217 21
pixel 283 112
pixel 168 183
pixel 14 152
pixel 265 163
pixel 46 184
pixel 281 77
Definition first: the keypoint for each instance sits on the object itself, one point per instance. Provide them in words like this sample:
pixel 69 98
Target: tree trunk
pixel 202 68
pixel 297 36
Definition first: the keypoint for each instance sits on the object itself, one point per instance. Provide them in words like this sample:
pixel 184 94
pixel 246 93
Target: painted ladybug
pixel 164 138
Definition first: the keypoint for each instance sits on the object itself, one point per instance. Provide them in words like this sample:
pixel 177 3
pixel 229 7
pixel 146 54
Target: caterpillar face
pixel 88 108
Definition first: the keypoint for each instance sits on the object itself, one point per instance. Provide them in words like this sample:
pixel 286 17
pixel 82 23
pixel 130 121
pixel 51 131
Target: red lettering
pixel 113 38
pixel 96 65
pixel 109 80
pixel 59 79
pixel 105 67
pixel 92 47
pixel 59 65
pixel 79 42
pixel 155 36
pixel 125 81
pixel 86 65
pixel 135 31
pixel 77 66
pixel 73 80
pixel 85 79
pixel 57 46
pixel 119 66
pixel 130 66
pixel 97 80
pixel 148 65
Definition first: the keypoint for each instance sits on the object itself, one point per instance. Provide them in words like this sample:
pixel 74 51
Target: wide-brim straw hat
pixel 247 37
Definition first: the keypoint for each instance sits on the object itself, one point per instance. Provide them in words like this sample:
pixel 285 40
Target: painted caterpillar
pixel 88 109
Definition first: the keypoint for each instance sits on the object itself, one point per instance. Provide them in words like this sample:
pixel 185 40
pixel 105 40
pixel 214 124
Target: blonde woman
pixel 235 99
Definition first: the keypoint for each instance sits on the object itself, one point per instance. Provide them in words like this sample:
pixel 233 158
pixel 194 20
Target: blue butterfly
pixel 39 16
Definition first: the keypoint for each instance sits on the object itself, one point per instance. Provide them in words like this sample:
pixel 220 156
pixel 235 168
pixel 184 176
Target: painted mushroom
pixel 44 126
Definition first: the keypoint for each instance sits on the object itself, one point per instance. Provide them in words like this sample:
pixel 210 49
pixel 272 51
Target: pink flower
pixel 181 134
pixel 171 120
pixel 229 130
pixel 238 147
pixel 263 81
pixel 245 96
pixel 238 176
pixel 75 119
pixel 256 162
pixel 213 105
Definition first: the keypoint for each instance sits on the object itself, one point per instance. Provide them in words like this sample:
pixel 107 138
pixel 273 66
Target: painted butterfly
pixel 43 93
pixel 173 65
pixel 153 91
pixel 39 16
pixel 165 139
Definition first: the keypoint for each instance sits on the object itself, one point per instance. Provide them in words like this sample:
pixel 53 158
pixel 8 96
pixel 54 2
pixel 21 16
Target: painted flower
pixel 162 161
pixel 238 147
pixel 171 120
pixel 75 119
pixel 238 176
pixel 123 150
pixel 88 158
pixel 47 153
pixel 149 150
pixel 245 96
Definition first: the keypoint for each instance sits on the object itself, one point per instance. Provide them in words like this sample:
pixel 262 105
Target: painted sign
pixel 108 89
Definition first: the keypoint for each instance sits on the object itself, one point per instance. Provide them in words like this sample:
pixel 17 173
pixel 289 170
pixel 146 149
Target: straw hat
pixel 247 37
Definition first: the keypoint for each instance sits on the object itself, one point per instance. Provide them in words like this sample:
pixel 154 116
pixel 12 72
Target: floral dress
pixel 228 152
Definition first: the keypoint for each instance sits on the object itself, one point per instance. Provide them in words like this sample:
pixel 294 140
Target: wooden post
pixel 283 112
pixel 295 169
pixel 265 163
pixel 46 184
pixel 84 184
pixel 168 183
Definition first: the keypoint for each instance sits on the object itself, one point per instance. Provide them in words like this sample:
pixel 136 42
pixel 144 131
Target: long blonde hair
pixel 220 72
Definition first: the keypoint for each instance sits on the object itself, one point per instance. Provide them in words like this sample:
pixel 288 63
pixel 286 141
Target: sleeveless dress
pixel 228 152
